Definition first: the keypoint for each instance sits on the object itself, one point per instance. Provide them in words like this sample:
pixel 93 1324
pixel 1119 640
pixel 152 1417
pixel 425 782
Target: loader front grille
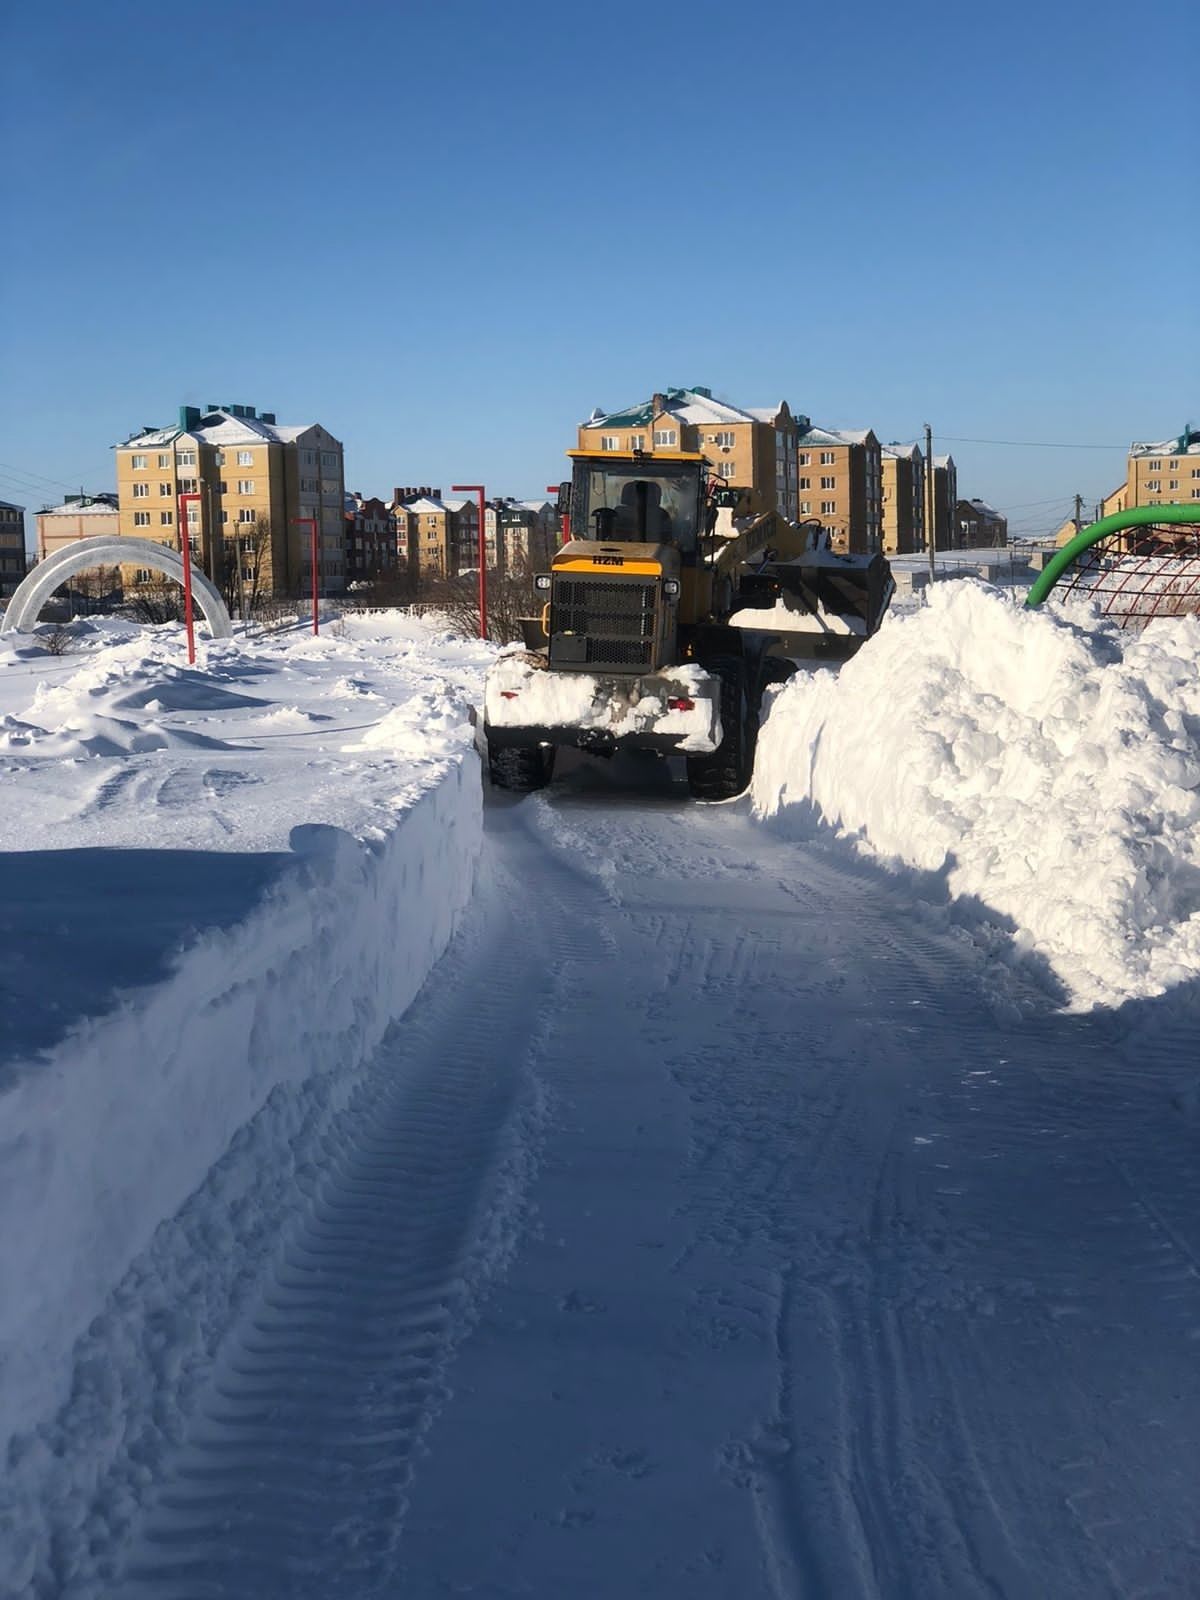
pixel 603 622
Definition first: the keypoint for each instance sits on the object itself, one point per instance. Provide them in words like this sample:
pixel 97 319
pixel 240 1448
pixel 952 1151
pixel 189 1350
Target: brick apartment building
pixel 437 537
pixel 12 547
pixel 370 542
pixel 753 449
pixel 903 508
pixel 262 484
pixel 840 483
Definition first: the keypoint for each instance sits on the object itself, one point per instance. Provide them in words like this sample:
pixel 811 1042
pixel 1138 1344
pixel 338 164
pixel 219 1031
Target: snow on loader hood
pixel 1047 762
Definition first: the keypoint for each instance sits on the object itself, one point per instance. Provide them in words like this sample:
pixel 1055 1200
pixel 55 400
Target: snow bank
pixel 359 840
pixel 1048 763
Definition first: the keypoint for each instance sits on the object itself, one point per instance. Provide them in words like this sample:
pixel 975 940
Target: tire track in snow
pixel 293 1481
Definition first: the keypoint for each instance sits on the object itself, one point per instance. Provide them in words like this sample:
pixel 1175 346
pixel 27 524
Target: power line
pixel 1030 444
pixel 12 473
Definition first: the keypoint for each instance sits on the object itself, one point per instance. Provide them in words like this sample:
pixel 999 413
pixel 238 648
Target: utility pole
pixel 1078 512
pixel 930 531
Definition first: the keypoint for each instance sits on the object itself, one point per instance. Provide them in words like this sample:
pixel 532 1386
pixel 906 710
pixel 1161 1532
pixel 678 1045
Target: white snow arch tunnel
pixel 32 593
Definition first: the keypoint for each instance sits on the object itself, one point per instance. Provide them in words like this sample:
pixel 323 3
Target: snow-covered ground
pixel 736 1209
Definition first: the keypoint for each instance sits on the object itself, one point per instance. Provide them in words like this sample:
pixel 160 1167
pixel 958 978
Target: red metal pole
pixel 311 524
pixel 477 488
pixel 185 549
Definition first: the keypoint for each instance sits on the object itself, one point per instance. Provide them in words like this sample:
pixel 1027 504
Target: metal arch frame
pixel 32 593
pixel 1135 517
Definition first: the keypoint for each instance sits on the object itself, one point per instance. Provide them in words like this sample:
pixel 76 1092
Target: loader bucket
pixel 834 593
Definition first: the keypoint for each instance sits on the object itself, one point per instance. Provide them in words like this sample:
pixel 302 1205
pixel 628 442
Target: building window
pixel 166 518
pixel 829 483
pixel 1196 494
pixel 329 458
pixel 610 442
pixel 245 458
pixel 224 516
pixel 245 485
pixel 828 508
pixel 1154 466
pixel 725 469
pixel 1152 487
pixel 186 458
pixel 140 491
pixel 164 488
pixel 187 485
pixel 308 486
pixel 141 575
pixel 246 514
pixel 139 463
pixel 725 440
pixel 141 519
pixel 827 458
pixel 804 483
pixel 1196 472
pixel 637 441
pixel 667 438
pixel 804 458
pixel 1173 484
pixel 805 508
pixel 164 463
pixel 1172 465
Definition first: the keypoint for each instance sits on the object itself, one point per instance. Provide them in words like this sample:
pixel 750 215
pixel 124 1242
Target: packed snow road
pixel 722 1220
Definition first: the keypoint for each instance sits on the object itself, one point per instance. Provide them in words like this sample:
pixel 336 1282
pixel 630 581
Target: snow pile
pixel 521 694
pixel 222 885
pixel 1048 763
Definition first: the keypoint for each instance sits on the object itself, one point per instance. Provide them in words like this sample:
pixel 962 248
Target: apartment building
pixel 439 537
pixel 980 526
pixel 80 516
pixel 945 499
pixel 902 511
pixel 370 543
pixel 753 450
pixel 521 535
pixel 263 486
pixel 1164 474
pixel 12 547
pixel 840 485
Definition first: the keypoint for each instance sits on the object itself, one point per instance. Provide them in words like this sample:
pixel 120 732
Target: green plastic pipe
pixel 1136 517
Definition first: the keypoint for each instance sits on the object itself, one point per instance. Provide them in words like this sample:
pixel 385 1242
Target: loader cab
pixel 628 497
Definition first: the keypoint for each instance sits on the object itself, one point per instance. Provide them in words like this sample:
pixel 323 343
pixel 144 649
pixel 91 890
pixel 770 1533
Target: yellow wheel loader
pixel 665 614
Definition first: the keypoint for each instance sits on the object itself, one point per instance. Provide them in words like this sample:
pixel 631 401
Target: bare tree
pixel 156 601
pixel 246 587
pixel 510 597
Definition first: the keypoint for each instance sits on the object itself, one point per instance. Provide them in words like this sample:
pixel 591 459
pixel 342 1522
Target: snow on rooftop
pixel 1184 444
pixel 818 435
pixel 222 428
pixel 909 452
pixel 90 507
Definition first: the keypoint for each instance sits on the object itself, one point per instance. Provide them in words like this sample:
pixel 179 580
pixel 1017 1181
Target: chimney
pixel 189 416
pixel 659 403
pixel 268 417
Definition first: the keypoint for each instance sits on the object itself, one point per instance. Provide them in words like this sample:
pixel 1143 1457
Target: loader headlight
pixel 671 587
pixel 542 581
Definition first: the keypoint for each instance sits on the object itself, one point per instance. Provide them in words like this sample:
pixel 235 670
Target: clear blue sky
pixel 447 231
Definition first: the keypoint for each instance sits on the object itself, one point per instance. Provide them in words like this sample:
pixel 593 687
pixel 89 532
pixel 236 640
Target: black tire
pixel 727 771
pixel 521 768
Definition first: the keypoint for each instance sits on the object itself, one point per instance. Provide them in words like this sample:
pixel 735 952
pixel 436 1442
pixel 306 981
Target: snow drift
pixel 260 991
pixel 1045 761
